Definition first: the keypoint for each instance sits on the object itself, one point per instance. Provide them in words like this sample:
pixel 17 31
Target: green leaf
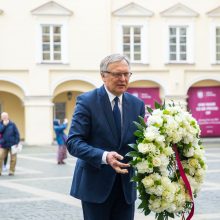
pixel 139 126
pixel 157 105
pixel 132 154
pixel 171 215
pixel 160 216
pixel 138 133
pixel 142 122
pixel 150 110
pixel 133 146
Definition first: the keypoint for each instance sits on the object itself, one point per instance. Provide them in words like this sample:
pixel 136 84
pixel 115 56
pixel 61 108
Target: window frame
pixel 189 41
pixel 63 43
pixel 144 39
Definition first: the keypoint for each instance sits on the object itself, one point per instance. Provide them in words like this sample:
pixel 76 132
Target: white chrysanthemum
pixel 155 120
pixel 188 152
pixel 143 167
pixel 146 148
pixel 147 181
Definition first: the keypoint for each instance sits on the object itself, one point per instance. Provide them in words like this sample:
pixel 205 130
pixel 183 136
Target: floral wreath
pixel 169 161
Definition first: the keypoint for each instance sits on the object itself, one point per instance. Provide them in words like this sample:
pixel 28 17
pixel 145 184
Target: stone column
pixel 38 120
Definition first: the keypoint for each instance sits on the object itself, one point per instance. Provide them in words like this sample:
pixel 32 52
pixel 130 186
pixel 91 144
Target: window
pixel 217 46
pixel 132 42
pixel 51 43
pixel 60 110
pixel 178 44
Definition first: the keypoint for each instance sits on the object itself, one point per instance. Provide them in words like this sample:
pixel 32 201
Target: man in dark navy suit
pixel 102 127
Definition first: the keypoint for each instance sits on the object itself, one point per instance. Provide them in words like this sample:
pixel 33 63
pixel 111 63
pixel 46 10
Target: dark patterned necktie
pixel 117 117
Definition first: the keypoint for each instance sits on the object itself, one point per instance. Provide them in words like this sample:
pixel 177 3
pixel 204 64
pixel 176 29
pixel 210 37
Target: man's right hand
pixel 113 160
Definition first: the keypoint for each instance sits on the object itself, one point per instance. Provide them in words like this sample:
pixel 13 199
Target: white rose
pixel 156 162
pixel 143 148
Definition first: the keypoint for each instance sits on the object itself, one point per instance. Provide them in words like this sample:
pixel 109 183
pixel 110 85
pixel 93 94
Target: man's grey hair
pixel 112 59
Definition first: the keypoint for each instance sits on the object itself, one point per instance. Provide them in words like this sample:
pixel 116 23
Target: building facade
pixel 50 53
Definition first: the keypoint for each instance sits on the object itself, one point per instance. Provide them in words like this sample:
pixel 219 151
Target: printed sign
pixel 204 104
pixel 148 95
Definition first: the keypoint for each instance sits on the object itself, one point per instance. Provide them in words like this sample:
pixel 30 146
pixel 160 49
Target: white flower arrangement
pixel 169 131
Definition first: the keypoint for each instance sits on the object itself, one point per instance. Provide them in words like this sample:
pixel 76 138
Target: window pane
pixel 137 56
pixel 46 47
pixel 218 40
pixel 173 40
pixel 128 55
pixel 172 48
pixel 56 30
pixel 57 56
pixel 182 48
pixel 218 31
pixel 137 30
pixel 57 47
pixel 218 57
pixel 218 48
pixel 183 56
pixel 172 31
pixel 126 30
pixel 172 56
pixel 46 38
pixel 182 31
pixel 137 39
pixel 57 38
pixel 46 56
pixel 137 48
pixel 126 48
pixel 126 39
pixel 46 29
pixel 182 39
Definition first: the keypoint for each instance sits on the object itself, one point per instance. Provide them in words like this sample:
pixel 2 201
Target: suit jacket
pixel 92 132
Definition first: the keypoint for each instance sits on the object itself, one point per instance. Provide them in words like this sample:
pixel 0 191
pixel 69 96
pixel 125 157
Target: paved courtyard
pixel 40 188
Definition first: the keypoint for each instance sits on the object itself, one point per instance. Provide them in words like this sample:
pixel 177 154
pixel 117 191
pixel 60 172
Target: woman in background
pixel 60 138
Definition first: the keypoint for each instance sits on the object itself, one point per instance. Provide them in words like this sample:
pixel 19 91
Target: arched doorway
pixel 64 98
pixel 11 101
pixel 204 104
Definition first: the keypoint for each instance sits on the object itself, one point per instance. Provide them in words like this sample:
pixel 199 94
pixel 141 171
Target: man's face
pixel 4 116
pixel 114 80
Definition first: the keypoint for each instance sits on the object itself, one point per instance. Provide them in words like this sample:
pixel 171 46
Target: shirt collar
pixel 112 96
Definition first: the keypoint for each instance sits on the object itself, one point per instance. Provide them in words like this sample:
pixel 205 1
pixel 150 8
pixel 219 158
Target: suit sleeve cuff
pixel 104 157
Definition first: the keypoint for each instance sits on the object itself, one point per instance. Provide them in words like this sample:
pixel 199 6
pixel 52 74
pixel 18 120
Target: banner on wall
pixel 204 104
pixel 148 95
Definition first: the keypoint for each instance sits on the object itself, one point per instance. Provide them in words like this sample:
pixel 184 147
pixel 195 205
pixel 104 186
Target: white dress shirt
pixel 111 99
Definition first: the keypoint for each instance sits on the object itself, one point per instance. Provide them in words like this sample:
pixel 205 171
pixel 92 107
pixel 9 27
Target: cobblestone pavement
pixel 40 188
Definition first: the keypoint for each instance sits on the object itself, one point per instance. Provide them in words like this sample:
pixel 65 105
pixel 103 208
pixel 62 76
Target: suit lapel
pixel 107 109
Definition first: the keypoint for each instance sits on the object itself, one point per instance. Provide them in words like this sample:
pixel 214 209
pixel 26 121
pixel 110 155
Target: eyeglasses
pixel 119 75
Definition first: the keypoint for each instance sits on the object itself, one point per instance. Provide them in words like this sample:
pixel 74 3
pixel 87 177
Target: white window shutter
pixel 119 37
pixel 38 55
pixel 212 44
pixel 64 44
pixel 166 45
pixel 190 44
pixel 144 45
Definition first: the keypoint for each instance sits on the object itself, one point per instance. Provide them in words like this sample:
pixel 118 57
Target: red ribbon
pixel 185 180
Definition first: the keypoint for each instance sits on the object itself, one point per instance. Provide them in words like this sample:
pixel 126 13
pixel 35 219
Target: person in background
pixel 102 129
pixel 60 138
pixel 10 137
pixel 4 166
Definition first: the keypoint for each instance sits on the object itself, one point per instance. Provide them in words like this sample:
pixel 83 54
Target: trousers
pixel 13 159
pixel 114 208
